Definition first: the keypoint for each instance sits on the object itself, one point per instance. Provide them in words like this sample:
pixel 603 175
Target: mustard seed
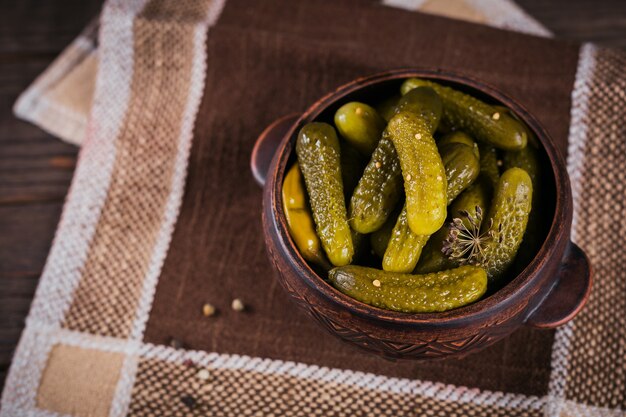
pixel 238 305
pixel 208 310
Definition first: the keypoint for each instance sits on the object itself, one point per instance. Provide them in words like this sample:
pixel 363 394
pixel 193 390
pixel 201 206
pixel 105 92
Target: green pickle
pixel 481 120
pixel 299 218
pixel 532 139
pixel 528 160
pixel 360 125
pixel 380 187
pixel 423 171
pixel 405 247
pixel 459 137
pixel 436 292
pixel 424 102
pixel 378 190
pixel 462 168
pixel 477 195
pixel 318 153
pixel 507 219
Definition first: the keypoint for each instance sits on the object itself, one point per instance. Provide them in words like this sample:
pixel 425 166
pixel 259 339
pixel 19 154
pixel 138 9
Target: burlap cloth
pixel 163 216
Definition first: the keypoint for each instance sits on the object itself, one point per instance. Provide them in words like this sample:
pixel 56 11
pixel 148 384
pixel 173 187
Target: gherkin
pixel 507 220
pixel 405 247
pixel 360 125
pixel 380 187
pixel 423 171
pixel 299 217
pixel 439 291
pixel 318 153
pixel 483 121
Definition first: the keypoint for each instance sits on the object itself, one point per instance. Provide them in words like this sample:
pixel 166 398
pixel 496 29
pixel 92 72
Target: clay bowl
pixel 545 290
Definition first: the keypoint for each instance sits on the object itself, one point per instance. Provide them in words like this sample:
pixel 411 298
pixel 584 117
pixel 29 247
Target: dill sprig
pixel 465 243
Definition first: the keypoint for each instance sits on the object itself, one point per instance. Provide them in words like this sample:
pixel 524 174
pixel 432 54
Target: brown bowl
pixel 545 291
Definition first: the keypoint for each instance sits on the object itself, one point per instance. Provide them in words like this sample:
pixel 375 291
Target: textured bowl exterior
pixel 416 336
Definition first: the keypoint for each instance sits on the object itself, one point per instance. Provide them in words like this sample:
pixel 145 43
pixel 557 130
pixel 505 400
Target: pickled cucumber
pixel 318 153
pixel 531 138
pixel 477 195
pixel 423 171
pixel 299 218
pixel 360 125
pixel 528 160
pixel 403 247
pixel 459 137
pixel 378 190
pixel 424 102
pixel 507 220
pixel 380 187
pixel 462 168
pixel 440 291
pixel 433 258
pixel 479 119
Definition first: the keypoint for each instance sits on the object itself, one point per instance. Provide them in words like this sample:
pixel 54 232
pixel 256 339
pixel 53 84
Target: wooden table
pixel 36 169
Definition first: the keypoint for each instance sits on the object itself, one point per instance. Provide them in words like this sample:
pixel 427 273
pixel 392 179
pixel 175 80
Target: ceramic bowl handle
pixel 266 145
pixel 570 293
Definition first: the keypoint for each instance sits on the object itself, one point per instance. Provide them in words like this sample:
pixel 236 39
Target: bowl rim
pixel 505 296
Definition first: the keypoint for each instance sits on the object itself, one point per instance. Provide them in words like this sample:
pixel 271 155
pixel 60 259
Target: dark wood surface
pixel 36 169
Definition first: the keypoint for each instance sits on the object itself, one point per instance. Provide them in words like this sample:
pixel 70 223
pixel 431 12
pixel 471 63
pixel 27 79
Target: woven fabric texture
pixel 596 371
